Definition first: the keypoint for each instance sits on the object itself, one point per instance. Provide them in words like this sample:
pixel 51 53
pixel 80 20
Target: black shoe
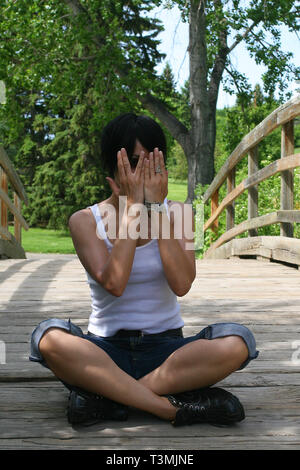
pixel 90 410
pixel 207 405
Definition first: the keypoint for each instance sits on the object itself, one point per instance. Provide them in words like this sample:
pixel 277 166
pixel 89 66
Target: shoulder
pixel 82 217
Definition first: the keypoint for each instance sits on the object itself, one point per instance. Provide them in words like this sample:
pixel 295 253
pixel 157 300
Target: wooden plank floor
pixel 261 295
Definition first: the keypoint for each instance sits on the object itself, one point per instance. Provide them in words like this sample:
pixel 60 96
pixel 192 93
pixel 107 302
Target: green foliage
pixel 60 71
pixel 177 163
pixel 69 70
pixel 256 24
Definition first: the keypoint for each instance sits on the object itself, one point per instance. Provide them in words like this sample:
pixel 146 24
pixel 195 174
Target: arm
pixel 177 254
pixel 176 251
pixel 111 270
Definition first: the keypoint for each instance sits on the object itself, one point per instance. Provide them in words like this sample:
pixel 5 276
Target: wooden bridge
pixel 260 291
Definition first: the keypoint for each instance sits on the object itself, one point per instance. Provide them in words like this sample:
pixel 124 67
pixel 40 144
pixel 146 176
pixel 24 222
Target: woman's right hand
pixel 131 184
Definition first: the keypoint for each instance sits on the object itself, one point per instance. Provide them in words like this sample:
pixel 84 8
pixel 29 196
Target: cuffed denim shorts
pixel 139 355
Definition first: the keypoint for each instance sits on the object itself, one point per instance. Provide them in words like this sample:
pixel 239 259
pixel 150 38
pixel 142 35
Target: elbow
pixel 111 287
pixel 182 292
pixel 184 288
pixel 114 290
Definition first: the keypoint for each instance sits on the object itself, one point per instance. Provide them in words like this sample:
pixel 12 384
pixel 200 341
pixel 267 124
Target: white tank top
pixel 147 303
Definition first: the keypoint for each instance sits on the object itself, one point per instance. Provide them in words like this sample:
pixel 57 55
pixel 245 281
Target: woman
pixel 134 354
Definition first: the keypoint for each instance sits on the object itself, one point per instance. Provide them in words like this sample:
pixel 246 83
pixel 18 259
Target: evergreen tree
pixel 69 67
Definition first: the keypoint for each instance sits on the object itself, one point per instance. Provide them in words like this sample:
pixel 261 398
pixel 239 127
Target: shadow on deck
pixel 261 295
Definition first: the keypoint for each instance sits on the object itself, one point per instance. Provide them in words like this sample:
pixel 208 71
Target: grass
pixel 177 190
pixel 41 240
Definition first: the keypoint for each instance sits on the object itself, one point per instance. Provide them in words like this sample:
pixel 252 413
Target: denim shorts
pixel 139 355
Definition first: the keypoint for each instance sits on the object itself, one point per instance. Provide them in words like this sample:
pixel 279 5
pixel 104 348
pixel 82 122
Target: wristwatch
pixel 156 207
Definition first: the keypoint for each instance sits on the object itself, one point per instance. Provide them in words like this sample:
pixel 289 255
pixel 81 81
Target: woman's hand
pixel 156 184
pixel 131 184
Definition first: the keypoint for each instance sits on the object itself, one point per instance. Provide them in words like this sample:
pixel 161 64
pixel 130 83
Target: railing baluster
pixel 10 245
pixel 0 199
pixel 4 187
pixel 230 208
pixel 213 206
pixel 17 225
pixel 253 192
pixel 287 177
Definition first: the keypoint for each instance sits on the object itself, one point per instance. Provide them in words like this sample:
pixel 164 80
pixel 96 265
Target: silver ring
pixel 158 169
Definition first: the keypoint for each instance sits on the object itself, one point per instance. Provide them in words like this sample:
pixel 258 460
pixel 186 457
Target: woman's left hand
pixel 155 183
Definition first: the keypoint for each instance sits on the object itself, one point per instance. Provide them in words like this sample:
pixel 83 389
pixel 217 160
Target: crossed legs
pixel 201 363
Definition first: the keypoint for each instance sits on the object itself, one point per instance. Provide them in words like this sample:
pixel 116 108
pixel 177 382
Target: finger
pixel 121 168
pixel 140 164
pixel 146 171
pixel 156 160
pixel 151 165
pixel 162 164
pixel 126 164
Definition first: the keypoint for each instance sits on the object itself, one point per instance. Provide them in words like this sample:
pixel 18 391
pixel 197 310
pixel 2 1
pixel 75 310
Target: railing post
pixel 214 202
pixel 253 192
pixel 230 208
pixel 17 225
pixel 287 177
pixel 3 207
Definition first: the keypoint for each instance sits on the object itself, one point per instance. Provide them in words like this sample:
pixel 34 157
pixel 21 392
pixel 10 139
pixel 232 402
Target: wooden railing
pixel 226 245
pixel 11 245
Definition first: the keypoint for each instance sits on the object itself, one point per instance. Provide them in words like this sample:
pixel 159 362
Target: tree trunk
pixel 201 159
pixel 198 143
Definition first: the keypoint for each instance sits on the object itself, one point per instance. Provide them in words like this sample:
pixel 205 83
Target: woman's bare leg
pixel 79 362
pixel 197 364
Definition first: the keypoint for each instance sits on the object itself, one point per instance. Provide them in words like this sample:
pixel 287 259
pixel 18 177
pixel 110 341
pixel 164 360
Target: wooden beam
pixel 3 196
pixel 284 249
pixel 17 225
pixel 13 209
pixel 280 116
pixel 253 190
pixel 287 177
pixel 4 233
pixel 289 216
pixel 213 208
pixel 12 175
pixel 292 161
pixel 230 207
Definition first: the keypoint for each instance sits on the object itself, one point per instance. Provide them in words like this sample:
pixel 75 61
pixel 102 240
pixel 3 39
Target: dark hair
pixel 123 131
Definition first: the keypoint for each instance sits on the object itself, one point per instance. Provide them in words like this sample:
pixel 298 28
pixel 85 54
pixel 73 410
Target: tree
pixel 212 24
pixel 70 66
pixel 59 61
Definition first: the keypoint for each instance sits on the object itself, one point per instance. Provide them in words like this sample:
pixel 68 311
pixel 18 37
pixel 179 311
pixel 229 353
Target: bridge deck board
pixel 262 295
